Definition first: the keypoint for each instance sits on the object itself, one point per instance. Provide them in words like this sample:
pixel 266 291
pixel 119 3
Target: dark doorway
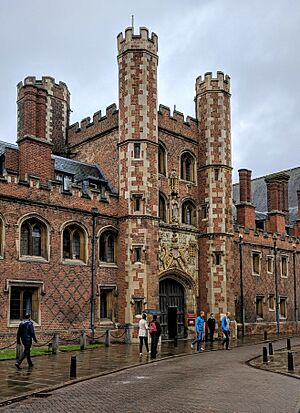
pixel 171 305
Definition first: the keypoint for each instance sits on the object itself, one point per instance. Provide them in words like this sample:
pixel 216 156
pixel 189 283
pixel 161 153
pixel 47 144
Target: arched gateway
pixel 172 307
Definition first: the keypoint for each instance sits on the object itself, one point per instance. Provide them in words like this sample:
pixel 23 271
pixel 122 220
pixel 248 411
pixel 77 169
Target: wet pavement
pixel 53 370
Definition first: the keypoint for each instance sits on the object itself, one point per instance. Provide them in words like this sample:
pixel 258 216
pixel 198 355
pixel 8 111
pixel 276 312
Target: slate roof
pixel 259 194
pixel 79 170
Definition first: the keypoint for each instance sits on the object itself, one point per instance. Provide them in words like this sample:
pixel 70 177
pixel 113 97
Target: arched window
pixel 33 238
pixel 188 213
pixel 161 160
pixel 108 246
pixel 187 167
pixel 162 208
pixel 74 242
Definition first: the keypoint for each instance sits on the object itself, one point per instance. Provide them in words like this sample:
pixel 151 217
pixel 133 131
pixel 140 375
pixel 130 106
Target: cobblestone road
pixel 208 382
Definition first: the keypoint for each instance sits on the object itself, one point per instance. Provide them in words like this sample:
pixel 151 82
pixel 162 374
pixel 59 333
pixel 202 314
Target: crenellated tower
pixel 215 191
pixel 138 175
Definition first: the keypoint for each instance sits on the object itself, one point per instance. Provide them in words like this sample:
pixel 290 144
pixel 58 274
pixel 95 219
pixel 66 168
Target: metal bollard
pixel 175 341
pixel 50 347
pixel 270 349
pixel 265 355
pixel 107 338
pixel 290 361
pixel 288 344
pixel 73 367
pixel 265 335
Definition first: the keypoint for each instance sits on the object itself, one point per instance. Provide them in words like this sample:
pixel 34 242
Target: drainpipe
pixel 295 287
pixel 94 245
pixel 276 287
pixel 242 284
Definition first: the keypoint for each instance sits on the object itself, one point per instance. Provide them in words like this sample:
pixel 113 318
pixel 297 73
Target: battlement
pixel 48 83
pixel 209 83
pixel 78 132
pixel 176 123
pixel 137 41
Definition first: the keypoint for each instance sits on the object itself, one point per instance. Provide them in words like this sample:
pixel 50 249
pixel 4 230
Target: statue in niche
pixel 173 182
pixel 175 210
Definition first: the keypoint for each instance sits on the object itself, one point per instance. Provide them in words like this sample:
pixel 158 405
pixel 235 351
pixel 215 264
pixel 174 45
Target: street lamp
pixel 276 286
pixel 242 284
pixel 295 287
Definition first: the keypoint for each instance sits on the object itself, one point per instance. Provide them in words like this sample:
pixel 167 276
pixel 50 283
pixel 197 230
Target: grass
pixel 10 354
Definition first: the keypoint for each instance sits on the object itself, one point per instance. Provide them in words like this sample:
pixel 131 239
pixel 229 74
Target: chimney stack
pixel 245 209
pixel 277 196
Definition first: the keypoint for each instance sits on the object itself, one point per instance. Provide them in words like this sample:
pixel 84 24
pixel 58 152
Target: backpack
pixel 152 327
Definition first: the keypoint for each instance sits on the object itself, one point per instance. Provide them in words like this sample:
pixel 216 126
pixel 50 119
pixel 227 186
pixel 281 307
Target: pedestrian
pixel 226 330
pixel 200 332
pixel 143 333
pixel 211 323
pixel 25 335
pixel 155 332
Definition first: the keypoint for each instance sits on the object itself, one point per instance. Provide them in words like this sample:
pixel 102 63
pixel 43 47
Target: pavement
pixel 213 381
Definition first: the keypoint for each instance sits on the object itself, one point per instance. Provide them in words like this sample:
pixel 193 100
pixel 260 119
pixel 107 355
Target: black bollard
pixel 288 344
pixel 175 341
pixel 265 335
pixel 265 355
pixel 73 367
pixel 270 349
pixel 290 361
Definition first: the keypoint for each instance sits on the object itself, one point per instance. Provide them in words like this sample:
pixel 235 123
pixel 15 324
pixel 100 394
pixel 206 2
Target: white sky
pixel 256 42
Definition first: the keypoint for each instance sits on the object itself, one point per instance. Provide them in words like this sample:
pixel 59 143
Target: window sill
pixel 255 274
pixel 104 264
pixel 283 276
pixel 73 262
pixel 33 258
pixel 15 323
pixel 106 322
pixel 282 318
pixel 272 310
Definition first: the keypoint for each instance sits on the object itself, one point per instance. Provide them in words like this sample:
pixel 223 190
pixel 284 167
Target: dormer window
pixel 66 181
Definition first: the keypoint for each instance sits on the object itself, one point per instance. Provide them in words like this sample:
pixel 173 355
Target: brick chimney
pixel 297 225
pixel 34 149
pixel 245 209
pixel 277 196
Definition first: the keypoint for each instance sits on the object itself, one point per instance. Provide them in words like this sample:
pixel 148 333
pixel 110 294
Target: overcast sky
pixel 256 42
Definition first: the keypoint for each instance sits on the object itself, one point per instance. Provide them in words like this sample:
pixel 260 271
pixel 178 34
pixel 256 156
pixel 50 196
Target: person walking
pixel 226 330
pixel 211 323
pixel 155 332
pixel 200 332
pixel 143 334
pixel 25 335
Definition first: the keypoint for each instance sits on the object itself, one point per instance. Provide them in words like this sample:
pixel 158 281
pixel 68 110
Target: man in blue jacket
pixel 25 335
pixel 226 329
pixel 200 332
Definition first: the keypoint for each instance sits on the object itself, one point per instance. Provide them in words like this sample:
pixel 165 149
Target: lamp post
pixel 295 287
pixel 242 284
pixel 276 286
pixel 94 245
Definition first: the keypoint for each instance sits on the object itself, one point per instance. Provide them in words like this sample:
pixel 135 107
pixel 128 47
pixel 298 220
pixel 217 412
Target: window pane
pixel 76 245
pixel 103 247
pixel 24 239
pixel 27 303
pixel 66 244
pixel 36 241
pixel 110 248
pixel 103 305
pixel 15 301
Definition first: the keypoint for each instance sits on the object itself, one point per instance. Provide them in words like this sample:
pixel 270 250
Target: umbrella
pixel 151 311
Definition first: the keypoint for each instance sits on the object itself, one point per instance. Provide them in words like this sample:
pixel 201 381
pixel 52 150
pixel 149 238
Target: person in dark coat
pixel 25 335
pixel 155 332
pixel 211 323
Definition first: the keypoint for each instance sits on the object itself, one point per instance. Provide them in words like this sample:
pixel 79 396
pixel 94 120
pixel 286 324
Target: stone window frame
pixel 193 221
pixel 272 296
pixel 137 253
pixel 270 258
pixel 204 208
pixel 112 292
pixel 162 159
pixel 255 253
pixel 137 203
pixel 112 231
pixel 137 150
pixel 83 244
pixel 45 238
pixel 186 154
pixel 217 258
pixel 284 300
pixel 259 298
pixel 23 284
pixel 285 257
pixel 162 199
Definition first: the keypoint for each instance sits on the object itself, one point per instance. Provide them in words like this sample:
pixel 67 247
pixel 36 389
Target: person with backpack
pixel 226 330
pixel 25 335
pixel 200 332
pixel 143 333
pixel 155 332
